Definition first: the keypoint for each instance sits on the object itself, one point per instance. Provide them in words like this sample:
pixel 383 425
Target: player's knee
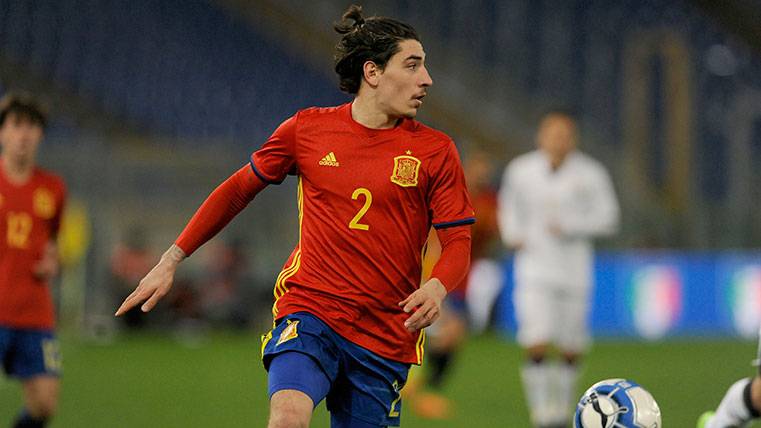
pixel 43 407
pixel 290 409
pixel 288 420
pixel 537 353
pixel 42 400
pixel 755 393
pixel 571 358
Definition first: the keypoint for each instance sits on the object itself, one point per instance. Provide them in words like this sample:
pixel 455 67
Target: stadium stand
pixel 175 68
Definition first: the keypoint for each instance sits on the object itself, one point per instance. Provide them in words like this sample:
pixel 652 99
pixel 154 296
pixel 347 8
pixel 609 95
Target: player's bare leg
pixel 40 399
pixel 290 408
pixel 537 352
pixel 755 392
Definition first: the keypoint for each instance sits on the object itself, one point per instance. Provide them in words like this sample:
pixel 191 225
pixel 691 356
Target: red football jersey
pixel 366 200
pixel 29 217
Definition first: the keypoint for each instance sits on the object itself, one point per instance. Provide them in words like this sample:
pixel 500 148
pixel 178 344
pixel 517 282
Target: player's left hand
pixel 426 303
pixel 47 267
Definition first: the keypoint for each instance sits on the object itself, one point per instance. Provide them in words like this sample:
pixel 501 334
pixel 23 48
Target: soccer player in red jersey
pixel 349 308
pixel 31 202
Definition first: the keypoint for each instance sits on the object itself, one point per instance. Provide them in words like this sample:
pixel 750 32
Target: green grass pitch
pixel 152 380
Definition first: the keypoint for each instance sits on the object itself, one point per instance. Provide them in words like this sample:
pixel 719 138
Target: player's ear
pixel 371 73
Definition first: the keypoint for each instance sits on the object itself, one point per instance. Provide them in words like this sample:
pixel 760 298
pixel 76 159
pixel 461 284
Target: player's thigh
pixel 533 302
pixel 368 389
pixel 297 371
pixel 343 420
pixel 33 353
pixel 572 311
pixel 300 353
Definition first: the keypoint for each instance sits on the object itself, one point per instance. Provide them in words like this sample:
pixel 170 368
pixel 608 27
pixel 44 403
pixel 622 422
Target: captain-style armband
pixel 454 262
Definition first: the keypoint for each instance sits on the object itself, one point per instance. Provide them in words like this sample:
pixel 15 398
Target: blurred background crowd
pixel 154 102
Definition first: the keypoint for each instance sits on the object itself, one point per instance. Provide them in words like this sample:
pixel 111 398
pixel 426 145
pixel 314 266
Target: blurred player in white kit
pixel 552 203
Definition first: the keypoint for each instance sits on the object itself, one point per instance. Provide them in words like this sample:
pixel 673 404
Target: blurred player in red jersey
pixel 349 308
pixel 469 306
pixel 31 203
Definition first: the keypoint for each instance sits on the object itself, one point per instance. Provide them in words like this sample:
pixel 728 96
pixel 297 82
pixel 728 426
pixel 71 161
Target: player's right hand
pixel 156 284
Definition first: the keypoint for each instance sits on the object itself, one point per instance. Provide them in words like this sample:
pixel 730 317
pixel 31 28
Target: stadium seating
pixel 176 68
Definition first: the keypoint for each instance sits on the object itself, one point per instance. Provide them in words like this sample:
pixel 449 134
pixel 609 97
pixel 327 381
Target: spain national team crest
pixel 290 332
pixel 44 204
pixel 406 169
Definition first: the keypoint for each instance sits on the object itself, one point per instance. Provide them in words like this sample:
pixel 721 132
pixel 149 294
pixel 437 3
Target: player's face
pixel 20 139
pixel 557 137
pixel 403 82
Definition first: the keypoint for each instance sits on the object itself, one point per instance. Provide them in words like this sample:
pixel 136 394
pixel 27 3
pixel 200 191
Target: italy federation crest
pixel 289 332
pixel 405 170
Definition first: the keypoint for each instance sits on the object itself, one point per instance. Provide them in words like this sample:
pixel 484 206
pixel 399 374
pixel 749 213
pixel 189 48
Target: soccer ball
pixel 617 403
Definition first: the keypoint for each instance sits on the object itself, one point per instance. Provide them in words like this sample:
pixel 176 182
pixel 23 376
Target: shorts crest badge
pixel 406 169
pixel 290 332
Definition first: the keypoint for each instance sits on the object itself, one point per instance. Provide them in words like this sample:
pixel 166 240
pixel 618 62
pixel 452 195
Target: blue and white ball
pixel 617 403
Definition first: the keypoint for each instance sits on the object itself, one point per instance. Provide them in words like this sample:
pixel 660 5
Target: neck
pixel 17 171
pixel 556 161
pixel 365 111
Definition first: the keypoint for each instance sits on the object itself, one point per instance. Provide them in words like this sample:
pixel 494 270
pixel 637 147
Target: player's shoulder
pixel 49 178
pixel 422 130
pixel 319 112
pixel 430 134
pixel 525 160
pixel 588 162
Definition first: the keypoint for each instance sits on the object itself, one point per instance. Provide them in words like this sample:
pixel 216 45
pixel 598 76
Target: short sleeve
pixel 276 159
pixel 449 203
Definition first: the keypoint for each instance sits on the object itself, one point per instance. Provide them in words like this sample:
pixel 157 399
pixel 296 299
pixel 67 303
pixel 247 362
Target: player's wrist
pixel 174 255
pixel 437 287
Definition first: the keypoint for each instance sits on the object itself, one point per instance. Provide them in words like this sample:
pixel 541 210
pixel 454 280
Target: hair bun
pixel 353 13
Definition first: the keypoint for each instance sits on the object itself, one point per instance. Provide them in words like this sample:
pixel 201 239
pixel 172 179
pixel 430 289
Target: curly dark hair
pixel 24 107
pixel 373 39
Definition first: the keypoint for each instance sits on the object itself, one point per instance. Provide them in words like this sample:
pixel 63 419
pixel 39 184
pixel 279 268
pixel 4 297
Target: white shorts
pixel 549 314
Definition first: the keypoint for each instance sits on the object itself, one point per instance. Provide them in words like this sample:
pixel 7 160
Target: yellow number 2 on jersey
pixel 354 223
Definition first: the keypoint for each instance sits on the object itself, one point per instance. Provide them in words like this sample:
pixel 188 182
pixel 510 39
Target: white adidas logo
pixel 329 160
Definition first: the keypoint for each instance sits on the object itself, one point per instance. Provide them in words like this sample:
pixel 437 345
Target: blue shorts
pixel 358 384
pixel 27 353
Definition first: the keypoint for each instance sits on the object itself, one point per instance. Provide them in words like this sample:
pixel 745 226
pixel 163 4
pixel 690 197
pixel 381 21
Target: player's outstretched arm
pixel 156 284
pixel 224 203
